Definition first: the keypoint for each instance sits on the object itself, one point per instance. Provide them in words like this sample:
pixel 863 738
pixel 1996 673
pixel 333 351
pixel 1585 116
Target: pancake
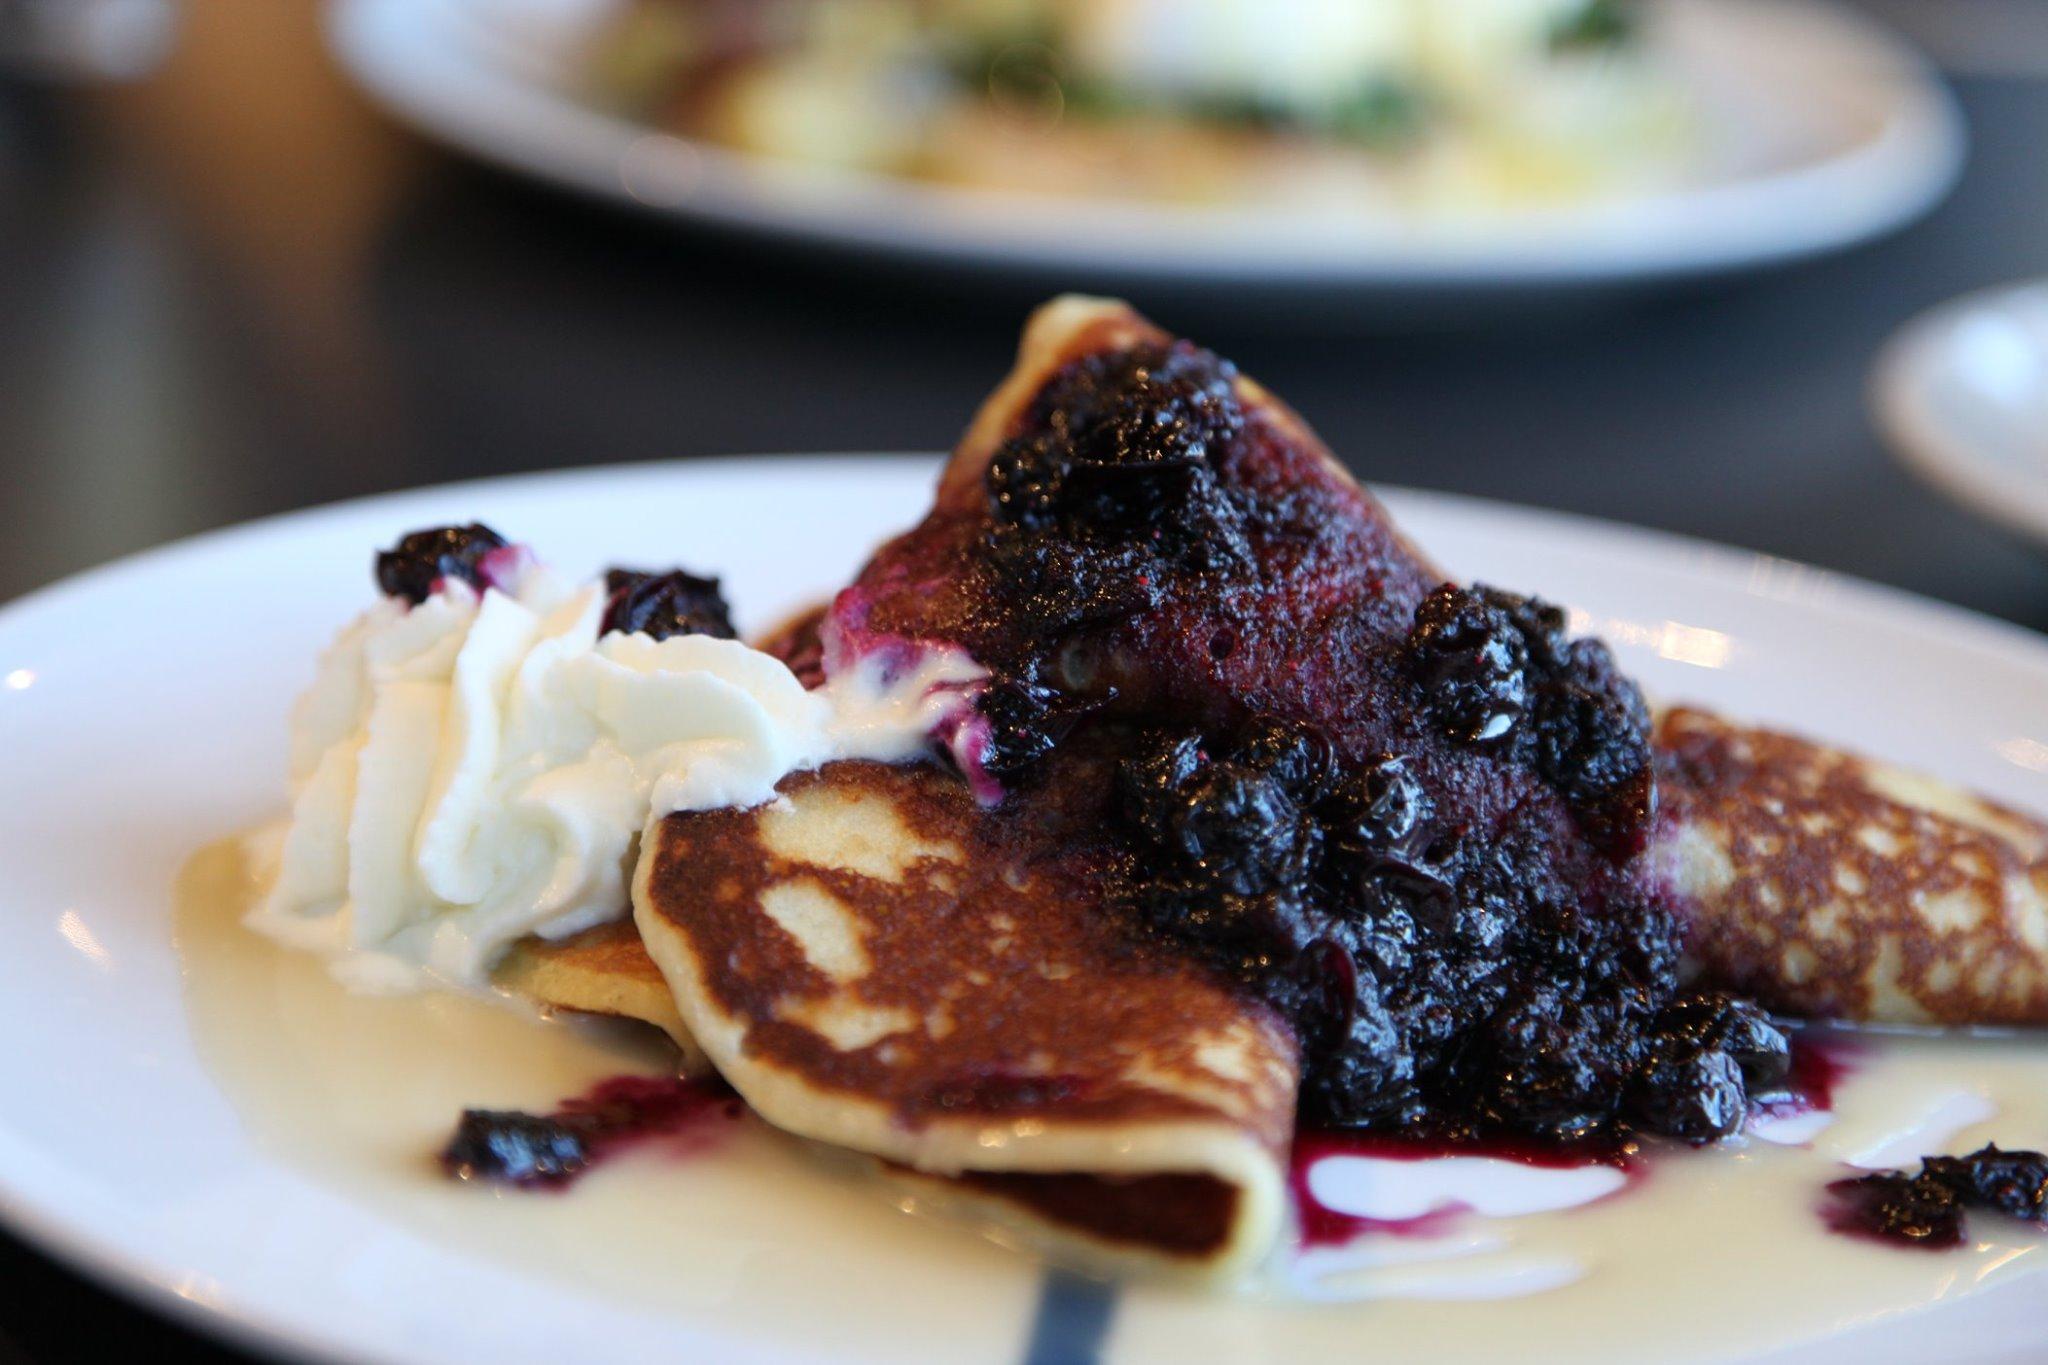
pixel 603 970
pixel 876 962
pixel 1826 885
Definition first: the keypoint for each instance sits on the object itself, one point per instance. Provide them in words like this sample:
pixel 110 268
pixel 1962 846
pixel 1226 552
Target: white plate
pixel 1962 391
pixel 1825 131
pixel 142 714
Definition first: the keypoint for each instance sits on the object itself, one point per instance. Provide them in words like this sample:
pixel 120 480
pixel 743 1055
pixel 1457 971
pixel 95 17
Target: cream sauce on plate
pixel 1706 1254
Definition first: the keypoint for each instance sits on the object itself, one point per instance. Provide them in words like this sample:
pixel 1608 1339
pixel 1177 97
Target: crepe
pixel 876 962
pixel 604 970
pixel 1826 885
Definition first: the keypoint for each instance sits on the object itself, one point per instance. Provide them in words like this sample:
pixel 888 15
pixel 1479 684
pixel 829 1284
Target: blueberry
pixel 1163 408
pixel 2012 1183
pixel 665 604
pixel 1541 625
pixel 1539 1071
pixel 1151 780
pixel 1387 940
pixel 1249 933
pixel 1242 828
pixel 1389 884
pixel 1297 757
pixel 1916 1210
pixel 1376 809
pixel 1710 1019
pixel 1590 749
pixel 1024 480
pixel 411 568
pixel 514 1147
pixel 1695 1095
pixel 1024 724
pixel 1364 1073
pixel 1472 666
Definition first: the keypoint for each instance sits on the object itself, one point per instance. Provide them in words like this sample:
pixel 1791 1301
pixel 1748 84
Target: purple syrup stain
pixel 1819 1066
pixel 505 567
pixel 1926 1209
pixel 553 1150
pixel 1322 1226
pixel 1895 1209
pixel 961 731
pixel 965 735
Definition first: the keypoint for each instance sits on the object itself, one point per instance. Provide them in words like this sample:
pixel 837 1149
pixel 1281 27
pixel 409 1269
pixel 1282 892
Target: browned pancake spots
pixel 1181 1214
pixel 1837 900
pixel 1012 995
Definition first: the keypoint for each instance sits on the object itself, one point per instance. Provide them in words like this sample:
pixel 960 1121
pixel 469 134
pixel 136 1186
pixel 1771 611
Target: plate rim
pixel 141 1276
pixel 1721 560
pixel 1847 199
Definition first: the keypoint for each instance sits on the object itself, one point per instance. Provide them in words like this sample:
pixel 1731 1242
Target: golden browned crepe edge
pixel 604 970
pixel 1830 885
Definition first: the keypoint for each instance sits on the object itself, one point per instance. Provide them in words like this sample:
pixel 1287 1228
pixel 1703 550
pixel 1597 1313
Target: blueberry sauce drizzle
pixel 553 1150
pixel 1813 1069
pixel 1926 1209
pixel 1818 1066
pixel 1319 1225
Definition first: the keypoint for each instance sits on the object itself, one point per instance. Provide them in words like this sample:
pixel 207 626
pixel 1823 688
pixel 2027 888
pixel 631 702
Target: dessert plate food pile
pixel 1129 893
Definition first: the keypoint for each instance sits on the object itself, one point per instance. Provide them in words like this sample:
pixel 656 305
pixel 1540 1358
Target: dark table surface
pixel 232 288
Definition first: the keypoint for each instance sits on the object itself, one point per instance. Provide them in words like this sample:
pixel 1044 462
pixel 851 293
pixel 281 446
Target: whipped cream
pixel 478 767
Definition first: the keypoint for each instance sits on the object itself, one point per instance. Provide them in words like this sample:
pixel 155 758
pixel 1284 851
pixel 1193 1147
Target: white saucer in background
pixel 1962 393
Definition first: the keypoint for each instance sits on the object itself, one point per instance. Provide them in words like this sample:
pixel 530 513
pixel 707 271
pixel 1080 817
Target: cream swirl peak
pixel 478 754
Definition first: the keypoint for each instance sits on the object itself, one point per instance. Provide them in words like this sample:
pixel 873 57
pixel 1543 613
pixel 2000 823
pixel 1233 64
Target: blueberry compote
pixel 1926 1209
pixel 513 1147
pixel 1405 813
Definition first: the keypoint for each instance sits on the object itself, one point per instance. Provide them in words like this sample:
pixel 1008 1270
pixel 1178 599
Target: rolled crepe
pixel 1826 885
pixel 876 962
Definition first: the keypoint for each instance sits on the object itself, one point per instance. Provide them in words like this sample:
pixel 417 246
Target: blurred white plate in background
pixel 1823 131
pixel 1962 391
